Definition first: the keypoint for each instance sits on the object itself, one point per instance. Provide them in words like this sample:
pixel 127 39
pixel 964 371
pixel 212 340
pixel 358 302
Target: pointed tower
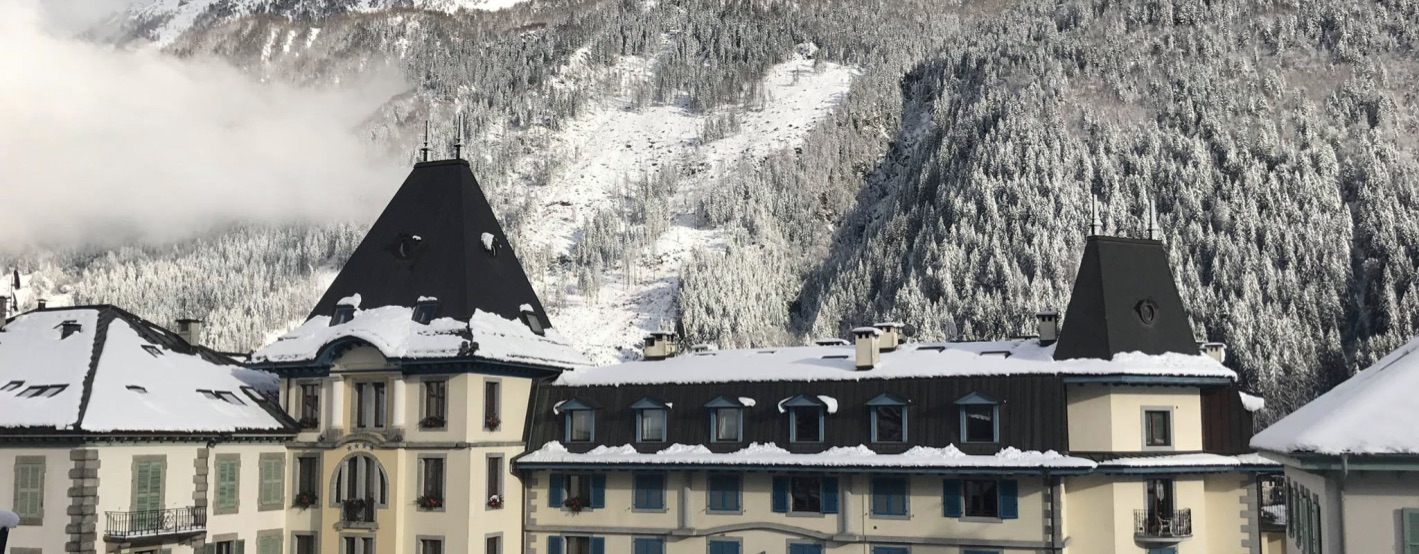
pixel 1124 300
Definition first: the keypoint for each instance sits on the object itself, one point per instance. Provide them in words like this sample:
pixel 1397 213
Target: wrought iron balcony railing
pixel 357 510
pixel 152 523
pixel 1151 524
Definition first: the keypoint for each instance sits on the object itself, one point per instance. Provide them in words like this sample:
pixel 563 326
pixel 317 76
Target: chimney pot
pixel 41 303
pixel 1217 350
pixel 869 347
pixel 1048 326
pixel 190 330
pixel 661 345
pixel 891 335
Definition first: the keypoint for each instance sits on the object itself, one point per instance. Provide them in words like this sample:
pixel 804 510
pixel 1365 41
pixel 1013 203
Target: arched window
pixel 360 476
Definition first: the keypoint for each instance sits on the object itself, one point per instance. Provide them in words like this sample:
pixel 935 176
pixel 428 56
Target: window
pixel 492 404
pixel 577 491
pixel 648 545
pixel 148 474
pixel 268 542
pixel 649 492
pixel 310 405
pixel 891 550
pixel 533 322
pixel 727 424
pixel 430 546
pixel 435 405
pixel 805 418
pixel 424 310
pixel 651 415
pixel 273 483
pixel 805 495
pixel 12 385
pixel 369 404
pixel 343 314
pixel 724 493
pixel 980 416
pixel 724 546
pixel 47 391
pixel 889 496
pixel 493 545
pixel 580 420
pixel 29 489
pixel 303 544
pixel 307 476
pixel 431 477
pixel 889 418
pixel 805 548
pixel 981 498
pixel 357 545
pixel 228 484
pixel 495 482
pixel 576 545
pixel 1410 521
pixel 229 397
pixel 1157 428
pixel 227 547
pixel 361 477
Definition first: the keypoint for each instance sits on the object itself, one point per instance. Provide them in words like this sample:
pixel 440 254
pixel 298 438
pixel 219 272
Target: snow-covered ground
pixel 615 143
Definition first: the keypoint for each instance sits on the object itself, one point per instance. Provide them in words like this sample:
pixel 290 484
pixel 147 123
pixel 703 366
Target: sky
pixel 100 143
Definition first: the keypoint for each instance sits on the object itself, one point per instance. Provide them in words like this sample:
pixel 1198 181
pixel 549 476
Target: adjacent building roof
pixel 100 369
pixel 1124 300
pixel 1372 413
pixel 836 362
pixel 437 248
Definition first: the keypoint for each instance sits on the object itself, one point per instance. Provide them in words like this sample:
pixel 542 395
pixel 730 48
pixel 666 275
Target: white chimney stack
pixel 869 347
pixel 1048 325
pixel 190 330
pixel 1217 350
pixel 661 345
pixel 891 335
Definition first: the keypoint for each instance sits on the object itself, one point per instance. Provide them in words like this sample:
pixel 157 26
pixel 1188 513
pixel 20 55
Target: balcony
pixel 155 525
pixel 1151 526
pixel 357 513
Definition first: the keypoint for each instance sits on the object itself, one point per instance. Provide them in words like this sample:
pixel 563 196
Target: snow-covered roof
pixel 1188 460
pixel 115 372
pixel 770 454
pixel 838 362
pixel 393 330
pixel 1370 413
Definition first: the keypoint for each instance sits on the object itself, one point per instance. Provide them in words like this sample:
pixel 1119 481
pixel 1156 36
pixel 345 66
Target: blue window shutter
pixel 598 545
pixel 780 500
pixel 830 495
pixel 554 545
pixel 554 492
pixel 1009 499
pixel 951 497
pixel 598 493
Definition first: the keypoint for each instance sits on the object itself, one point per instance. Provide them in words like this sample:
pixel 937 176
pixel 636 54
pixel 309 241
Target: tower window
pixel 343 314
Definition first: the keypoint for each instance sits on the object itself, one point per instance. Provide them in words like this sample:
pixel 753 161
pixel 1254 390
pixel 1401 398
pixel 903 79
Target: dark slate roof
pixel 428 243
pixel 1124 300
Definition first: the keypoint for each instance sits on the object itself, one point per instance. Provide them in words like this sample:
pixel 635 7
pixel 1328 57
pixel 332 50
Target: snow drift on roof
pixel 393 331
pixel 836 362
pixel 772 455
pixel 1371 413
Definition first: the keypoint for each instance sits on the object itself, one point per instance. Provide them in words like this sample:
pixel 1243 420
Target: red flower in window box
pixel 429 502
pixel 575 504
pixel 303 500
pixel 495 502
pixel 492 423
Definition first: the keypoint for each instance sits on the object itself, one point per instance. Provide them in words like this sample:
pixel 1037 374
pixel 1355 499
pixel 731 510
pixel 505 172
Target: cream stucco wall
pixel 49 536
pixel 1372 503
pixel 1098 513
pixel 1109 418
pixel 249 518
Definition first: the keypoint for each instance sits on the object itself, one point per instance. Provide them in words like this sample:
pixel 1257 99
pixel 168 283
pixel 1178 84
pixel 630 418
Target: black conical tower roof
pixel 1124 300
pixel 429 242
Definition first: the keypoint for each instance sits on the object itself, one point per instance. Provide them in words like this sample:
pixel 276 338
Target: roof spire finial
pixel 424 152
pixel 458 144
pixel 1095 226
pixel 1152 218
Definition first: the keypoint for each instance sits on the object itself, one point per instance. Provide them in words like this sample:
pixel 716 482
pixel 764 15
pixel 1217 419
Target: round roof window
pixel 1147 311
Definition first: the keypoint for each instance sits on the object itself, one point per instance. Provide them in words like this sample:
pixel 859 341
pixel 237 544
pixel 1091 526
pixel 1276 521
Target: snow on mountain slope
pixel 615 143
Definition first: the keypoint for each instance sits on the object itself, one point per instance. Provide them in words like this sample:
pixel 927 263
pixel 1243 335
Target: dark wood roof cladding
pixel 1032 413
pixel 1227 426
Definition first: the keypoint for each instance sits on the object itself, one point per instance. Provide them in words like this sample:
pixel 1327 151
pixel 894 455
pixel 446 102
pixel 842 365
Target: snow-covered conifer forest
pixel 766 172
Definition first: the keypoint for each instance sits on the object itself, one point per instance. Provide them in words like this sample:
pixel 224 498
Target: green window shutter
pixel 29 491
pixel 272 481
pixel 1410 522
pixel 210 548
pixel 239 547
pixel 147 486
pixel 227 483
pixel 165 551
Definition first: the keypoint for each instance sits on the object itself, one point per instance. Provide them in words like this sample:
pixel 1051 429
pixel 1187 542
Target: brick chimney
pixel 869 347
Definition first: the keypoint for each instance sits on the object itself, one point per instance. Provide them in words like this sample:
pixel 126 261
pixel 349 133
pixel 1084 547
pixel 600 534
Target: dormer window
pixel 579 419
pixel 529 317
pixel 805 418
pixel 980 418
pixel 651 419
pixel 343 314
pixel 425 309
pixel 726 419
pixel 889 418
pixel 68 328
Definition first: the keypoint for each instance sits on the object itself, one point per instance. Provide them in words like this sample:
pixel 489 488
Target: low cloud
pixel 99 143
